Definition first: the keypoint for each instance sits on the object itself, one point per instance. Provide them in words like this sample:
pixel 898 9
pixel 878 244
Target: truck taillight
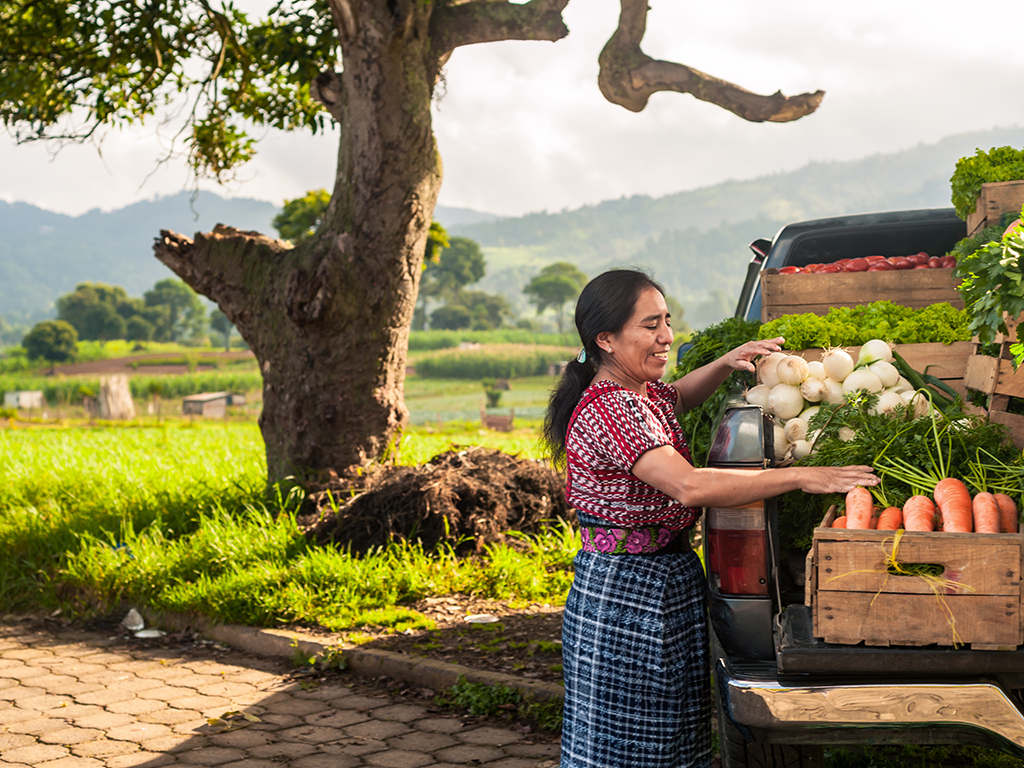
pixel 737 550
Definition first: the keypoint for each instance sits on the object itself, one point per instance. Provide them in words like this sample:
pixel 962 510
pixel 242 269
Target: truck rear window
pixel 899 240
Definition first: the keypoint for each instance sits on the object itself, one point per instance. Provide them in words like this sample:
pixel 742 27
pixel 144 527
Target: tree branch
pixel 628 77
pixel 219 264
pixel 489 21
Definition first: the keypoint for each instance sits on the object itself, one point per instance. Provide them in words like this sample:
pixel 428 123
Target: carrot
pixel 1009 520
pixel 954 503
pixel 839 522
pixel 873 522
pixel 986 513
pixel 859 507
pixel 891 519
pixel 919 514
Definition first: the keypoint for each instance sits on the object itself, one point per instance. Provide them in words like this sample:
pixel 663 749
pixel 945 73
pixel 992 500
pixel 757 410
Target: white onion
pixel 903 385
pixel 785 401
pixel 792 369
pixel 837 363
pixel 874 350
pixel 758 396
pixel 781 444
pixel 795 429
pixel 813 390
pixel 800 449
pixel 766 372
pixel 846 434
pixel 887 402
pixel 806 413
pixel 816 369
pixel 833 391
pixel 886 373
pixel 921 404
pixel 862 378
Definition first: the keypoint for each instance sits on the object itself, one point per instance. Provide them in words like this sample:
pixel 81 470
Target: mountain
pixel 695 241
pixel 43 254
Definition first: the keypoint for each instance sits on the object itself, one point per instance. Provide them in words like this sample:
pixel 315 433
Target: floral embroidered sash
pixel 626 541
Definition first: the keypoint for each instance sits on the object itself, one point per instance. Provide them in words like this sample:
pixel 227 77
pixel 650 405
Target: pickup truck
pixel 781 694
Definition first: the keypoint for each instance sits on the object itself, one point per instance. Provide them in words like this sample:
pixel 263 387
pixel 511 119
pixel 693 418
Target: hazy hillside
pixel 695 242
pixel 44 255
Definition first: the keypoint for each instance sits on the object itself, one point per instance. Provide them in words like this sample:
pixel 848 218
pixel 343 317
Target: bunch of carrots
pixel 953 510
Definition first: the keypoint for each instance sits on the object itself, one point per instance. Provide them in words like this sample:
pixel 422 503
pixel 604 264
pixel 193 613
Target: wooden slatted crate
pixel 995 377
pixel 855 599
pixel 817 294
pixel 995 199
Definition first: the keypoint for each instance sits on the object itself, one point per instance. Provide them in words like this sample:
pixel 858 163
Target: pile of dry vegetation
pixel 465 498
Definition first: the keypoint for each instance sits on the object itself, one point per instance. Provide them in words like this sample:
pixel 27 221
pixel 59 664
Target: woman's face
pixel 639 352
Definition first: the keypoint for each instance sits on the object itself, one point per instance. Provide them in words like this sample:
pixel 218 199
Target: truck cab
pixel 782 694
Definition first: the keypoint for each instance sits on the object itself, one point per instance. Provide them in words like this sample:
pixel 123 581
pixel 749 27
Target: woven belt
pixel 634 541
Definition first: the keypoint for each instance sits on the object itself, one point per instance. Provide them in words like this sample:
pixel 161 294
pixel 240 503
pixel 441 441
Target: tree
pixel 555 286
pixel 182 314
pixel 220 323
pixel 437 239
pixel 301 218
pixel 461 264
pixel 488 310
pixel 451 317
pixel 53 340
pixel 138 329
pixel 328 318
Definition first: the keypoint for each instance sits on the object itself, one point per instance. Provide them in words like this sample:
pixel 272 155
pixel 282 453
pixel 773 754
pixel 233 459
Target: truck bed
pixel 799 652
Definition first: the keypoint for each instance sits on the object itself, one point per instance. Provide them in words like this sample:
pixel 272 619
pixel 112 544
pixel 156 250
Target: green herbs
pixel 708 345
pixel 992 285
pixel 852 326
pixel 998 164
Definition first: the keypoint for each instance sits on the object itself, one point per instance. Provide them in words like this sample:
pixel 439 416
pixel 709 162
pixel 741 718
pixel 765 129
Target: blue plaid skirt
pixel 635 662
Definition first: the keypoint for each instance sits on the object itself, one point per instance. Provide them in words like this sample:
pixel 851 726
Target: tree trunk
pixel 329 320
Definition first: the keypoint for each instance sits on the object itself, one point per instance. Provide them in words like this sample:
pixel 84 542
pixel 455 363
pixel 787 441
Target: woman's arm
pixel 670 473
pixel 697 386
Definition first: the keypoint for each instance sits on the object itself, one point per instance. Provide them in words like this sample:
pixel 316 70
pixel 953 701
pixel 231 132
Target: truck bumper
pixel 771 711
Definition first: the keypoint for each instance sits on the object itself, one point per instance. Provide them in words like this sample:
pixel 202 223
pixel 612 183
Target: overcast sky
pixel 522 126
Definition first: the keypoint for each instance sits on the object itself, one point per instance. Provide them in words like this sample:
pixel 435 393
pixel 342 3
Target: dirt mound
pixel 464 498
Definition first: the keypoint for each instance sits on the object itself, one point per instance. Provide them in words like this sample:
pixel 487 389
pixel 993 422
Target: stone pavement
pixel 74 699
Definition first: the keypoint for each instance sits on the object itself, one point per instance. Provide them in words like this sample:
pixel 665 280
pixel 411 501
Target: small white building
pixel 210 404
pixel 25 400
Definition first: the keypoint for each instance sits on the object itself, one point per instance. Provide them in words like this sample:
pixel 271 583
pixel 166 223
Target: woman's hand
pixel 742 357
pixel 835 479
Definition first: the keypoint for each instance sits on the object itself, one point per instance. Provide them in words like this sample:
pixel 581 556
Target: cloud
pixel 522 126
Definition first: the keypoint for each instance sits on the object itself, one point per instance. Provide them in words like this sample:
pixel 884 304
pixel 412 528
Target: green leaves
pixel 992 285
pixel 69 69
pixel 998 164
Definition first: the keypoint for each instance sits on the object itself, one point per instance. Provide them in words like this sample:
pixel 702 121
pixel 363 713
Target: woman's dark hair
pixel 606 304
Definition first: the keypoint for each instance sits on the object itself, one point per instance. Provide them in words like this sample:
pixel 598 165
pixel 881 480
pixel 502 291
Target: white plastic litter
pixel 133 621
pixel 149 633
pixel 481 618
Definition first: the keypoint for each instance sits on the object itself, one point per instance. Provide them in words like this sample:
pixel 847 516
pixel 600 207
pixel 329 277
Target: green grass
pixel 175 517
pixel 444 400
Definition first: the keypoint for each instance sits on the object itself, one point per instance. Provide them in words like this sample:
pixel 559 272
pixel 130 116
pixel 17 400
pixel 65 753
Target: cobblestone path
pixel 73 699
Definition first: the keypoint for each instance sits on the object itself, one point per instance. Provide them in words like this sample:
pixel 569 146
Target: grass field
pixel 175 516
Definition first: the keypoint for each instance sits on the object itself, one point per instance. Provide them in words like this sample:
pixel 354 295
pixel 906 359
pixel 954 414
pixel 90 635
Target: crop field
pixel 175 516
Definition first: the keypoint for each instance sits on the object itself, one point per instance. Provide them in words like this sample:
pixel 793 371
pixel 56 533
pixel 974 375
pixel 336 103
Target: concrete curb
pixel 422 672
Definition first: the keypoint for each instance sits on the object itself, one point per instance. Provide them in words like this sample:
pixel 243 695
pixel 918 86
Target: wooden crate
pixel 947 362
pixel 853 598
pixel 817 294
pixel 995 377
pixel 995 199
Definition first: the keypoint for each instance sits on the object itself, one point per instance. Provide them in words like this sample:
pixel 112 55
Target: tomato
pixel 923 253
pixel 790 271
pixel 934 262
pixel 857 265
pixel 829 269
pixel 920 266
pixel 919 258
pixel 881 266
pixel 948 261
pixel 873 259
pixel 893 259
pixel 902 262
pixel 841 263
pixel 812 268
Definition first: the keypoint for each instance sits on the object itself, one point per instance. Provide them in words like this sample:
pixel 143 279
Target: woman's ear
pixel 604 341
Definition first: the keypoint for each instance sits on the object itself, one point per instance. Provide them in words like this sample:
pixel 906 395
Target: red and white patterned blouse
pixel 610 429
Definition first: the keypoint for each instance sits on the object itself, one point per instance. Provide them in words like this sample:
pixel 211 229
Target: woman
pixel 634 634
